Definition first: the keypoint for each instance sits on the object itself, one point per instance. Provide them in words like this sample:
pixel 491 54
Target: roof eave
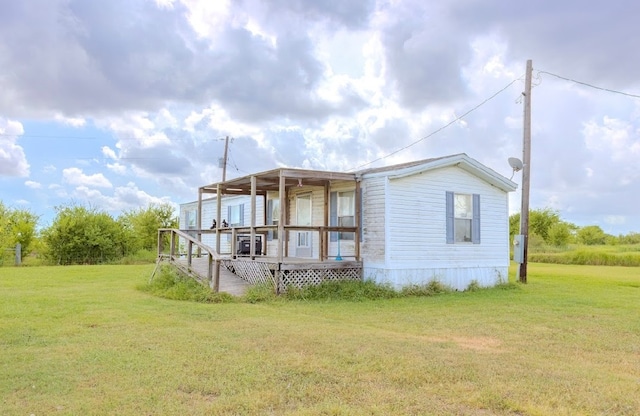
pixel 461 160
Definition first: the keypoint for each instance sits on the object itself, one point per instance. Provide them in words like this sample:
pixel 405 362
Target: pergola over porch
pixel 282 181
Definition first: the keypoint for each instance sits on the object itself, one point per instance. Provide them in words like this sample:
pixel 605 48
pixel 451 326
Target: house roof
pixel 270 180
pixel 460 160
pixel 402 165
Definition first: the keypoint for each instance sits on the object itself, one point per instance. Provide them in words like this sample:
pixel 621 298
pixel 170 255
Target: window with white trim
pixel 236 214
pixel 463 218
pixel 342 213
pixel 191 219
pixel 273 217
pixel 346 213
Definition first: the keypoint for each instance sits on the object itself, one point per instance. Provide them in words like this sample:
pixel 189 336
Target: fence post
pixel 18 254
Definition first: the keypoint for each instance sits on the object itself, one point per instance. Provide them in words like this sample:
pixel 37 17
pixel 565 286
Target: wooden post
pixel 234 242
pixel 199 219
pixel 281 223
pixel 324 239
pixel 252 234
pixel 172 251
pixel 216 276
pixel 526 169
pixel 224 159
pixel 160 243
pixel 358 214
pixel 218 216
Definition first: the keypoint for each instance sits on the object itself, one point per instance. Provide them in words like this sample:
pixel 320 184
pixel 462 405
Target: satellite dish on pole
pixel 516 165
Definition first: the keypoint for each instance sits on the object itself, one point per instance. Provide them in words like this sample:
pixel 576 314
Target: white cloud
pixel 58 191
pixel 75 176
pixel 117 168
pixel 13 161
pixel 615 136
pixel 123 198
pixel 70 121
pixel 33 185
pixel 108 152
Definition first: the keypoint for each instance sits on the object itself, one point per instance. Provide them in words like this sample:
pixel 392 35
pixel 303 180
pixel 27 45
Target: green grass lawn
pixel 82 340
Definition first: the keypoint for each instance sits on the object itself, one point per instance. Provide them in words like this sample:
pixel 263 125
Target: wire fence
pixel 11 256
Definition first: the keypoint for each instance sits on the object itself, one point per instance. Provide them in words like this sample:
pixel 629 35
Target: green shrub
pixel 170 284
pixel 140 257
pixel 261 292
pixel 34 260
pixel 352 290
pixel 473 286
pixel 589 257
pixel 434 287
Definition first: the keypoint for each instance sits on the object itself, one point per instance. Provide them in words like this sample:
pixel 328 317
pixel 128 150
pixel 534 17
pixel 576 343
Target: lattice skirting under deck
pixel 305 277
pixel 251 271
pixel 292 275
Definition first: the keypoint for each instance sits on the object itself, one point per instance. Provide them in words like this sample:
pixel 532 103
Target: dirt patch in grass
pixel 485 344
pixel 480 344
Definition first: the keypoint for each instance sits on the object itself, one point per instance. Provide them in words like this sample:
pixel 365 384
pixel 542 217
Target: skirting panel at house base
pixel 301 275
pixel 297 274
pixel 457 278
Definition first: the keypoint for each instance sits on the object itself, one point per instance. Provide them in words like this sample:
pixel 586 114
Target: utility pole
pixel 224 159
pixel 526 170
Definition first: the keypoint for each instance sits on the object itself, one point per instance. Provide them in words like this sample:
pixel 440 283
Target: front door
pixel 303 217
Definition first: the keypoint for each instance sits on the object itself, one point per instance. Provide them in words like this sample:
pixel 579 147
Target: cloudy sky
pixel 122 103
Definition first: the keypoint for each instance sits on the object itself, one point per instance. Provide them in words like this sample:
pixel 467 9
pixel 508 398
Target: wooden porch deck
pixel 235 274
pixel 294 271
pixel 229 282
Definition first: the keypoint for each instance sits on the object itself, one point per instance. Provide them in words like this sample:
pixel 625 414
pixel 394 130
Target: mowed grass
pixel 83 340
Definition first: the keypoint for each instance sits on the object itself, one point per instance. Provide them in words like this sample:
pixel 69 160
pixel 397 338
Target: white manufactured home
pixel 442 219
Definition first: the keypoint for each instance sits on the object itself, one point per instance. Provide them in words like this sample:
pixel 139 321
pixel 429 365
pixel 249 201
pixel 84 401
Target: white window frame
pixel 462 215
pixel 191 219
pixel 348 220
pixel 459 212
pixel 234 210
pixel 303 239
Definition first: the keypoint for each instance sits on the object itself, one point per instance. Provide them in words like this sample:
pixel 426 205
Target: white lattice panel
pixel 301 277
pixel 251 271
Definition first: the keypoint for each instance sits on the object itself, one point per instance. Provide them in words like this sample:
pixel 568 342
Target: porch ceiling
pixel 270 180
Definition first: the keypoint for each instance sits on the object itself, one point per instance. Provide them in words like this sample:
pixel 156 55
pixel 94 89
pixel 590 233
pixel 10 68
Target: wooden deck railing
pixel 263 230
pixel 174 254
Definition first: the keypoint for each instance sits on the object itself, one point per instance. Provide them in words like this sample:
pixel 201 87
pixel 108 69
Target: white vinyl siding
pixel 418 231
pixel 373 219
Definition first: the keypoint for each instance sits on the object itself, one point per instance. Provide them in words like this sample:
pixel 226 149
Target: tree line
pixel 547 227
pixel 85 235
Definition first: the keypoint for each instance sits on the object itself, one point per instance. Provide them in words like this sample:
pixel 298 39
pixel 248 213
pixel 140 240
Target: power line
pixel 441 128
pixel 589 85
pixel 232 160
pixel 44 136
